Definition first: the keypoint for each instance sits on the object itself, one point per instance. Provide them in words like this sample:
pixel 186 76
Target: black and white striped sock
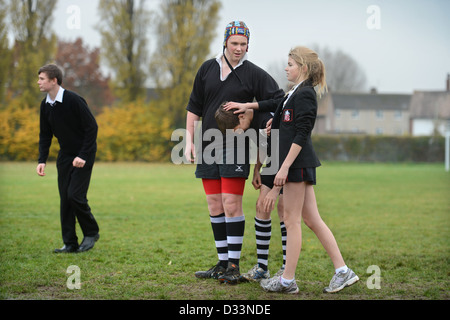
pixel 263 230
pixel 235 237
pixel 283 242
pixel 220 237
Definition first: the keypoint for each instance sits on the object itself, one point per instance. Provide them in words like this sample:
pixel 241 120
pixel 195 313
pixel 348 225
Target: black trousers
pixel 73 185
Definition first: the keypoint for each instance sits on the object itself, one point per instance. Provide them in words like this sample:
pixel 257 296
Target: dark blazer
pixel 295 123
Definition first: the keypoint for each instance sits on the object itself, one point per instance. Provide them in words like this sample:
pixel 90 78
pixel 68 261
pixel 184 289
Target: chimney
pixel 448 81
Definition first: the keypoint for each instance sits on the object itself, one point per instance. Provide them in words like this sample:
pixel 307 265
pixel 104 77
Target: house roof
pixel 430 105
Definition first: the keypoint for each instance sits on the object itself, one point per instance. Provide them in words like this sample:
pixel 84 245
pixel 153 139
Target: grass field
pixel 155 233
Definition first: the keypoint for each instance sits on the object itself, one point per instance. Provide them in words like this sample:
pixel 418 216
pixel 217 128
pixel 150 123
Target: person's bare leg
pixel 293 198
pixel 312 219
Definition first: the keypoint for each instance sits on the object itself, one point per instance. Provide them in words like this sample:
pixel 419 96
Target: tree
pixel 124 42
pixel 185 29
pixel 5 52
pixel 276 70
pixel 34 45
pixel 135 131
pixel 82 73
pixel 343 72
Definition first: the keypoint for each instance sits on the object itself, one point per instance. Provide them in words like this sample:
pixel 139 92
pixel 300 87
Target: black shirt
pixel 209 92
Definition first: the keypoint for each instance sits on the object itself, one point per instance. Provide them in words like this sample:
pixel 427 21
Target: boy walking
pixel 66 115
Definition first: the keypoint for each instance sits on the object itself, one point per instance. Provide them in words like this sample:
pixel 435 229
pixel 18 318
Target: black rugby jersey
pixel 209 92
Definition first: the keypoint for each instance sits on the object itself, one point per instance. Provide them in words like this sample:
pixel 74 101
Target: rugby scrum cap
pixel 236 28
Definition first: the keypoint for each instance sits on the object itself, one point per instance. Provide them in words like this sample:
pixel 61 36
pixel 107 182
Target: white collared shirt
pixel 59 96
pixel 219 61
pixel 290 94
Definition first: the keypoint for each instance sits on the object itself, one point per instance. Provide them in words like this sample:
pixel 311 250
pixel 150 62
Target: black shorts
pixel 217 171
pixel 294 175
pixel 267 180
pixel 302 175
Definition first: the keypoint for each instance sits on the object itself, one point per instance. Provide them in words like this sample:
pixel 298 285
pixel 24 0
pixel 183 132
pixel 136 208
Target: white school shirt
pixel 290 93
pixel 59 97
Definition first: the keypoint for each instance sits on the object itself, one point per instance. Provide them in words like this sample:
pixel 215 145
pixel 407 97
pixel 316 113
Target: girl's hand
pixel 280 178
pixel 239 107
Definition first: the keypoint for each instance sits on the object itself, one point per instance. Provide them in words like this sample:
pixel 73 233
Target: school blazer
pixel 295 123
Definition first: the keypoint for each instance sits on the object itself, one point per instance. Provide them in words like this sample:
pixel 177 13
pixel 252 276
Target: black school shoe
pixel 67 249
pixel 88 243
pixel 231 275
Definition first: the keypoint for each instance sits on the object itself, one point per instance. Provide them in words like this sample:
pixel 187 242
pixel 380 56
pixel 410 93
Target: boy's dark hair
pixel 52 71
pixel 226 119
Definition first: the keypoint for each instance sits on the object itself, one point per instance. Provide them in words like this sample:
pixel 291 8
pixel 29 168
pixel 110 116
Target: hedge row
pixel 380 148
pixel 141 132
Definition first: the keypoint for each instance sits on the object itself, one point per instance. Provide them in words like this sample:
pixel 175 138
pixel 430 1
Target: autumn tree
pixel 34 45
pixel 29 21
pixel 185 29
pixel 134 131
pixel 82 73
pixel 123 29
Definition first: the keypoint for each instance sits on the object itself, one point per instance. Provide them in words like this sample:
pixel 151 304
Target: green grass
pixel 155 233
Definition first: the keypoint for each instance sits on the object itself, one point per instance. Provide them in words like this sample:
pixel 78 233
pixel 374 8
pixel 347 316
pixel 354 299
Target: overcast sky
pixel 402 45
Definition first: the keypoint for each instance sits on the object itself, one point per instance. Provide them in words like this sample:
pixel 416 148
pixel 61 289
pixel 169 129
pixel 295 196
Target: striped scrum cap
pixel 236 28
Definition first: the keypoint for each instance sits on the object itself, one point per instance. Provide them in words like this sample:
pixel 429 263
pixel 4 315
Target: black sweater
pixel 73 124
pixel 209 92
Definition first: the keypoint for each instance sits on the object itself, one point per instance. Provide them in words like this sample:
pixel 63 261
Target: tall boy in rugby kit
pixel 228 77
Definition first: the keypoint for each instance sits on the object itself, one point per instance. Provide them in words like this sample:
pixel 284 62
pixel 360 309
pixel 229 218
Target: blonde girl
pixel 294 117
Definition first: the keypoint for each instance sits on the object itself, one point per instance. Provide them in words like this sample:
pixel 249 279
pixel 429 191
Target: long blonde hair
pixel 315 67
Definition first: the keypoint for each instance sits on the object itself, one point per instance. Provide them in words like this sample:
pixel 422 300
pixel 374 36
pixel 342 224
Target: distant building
pixel 422 113
pixel 359 113
pixel 430 112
